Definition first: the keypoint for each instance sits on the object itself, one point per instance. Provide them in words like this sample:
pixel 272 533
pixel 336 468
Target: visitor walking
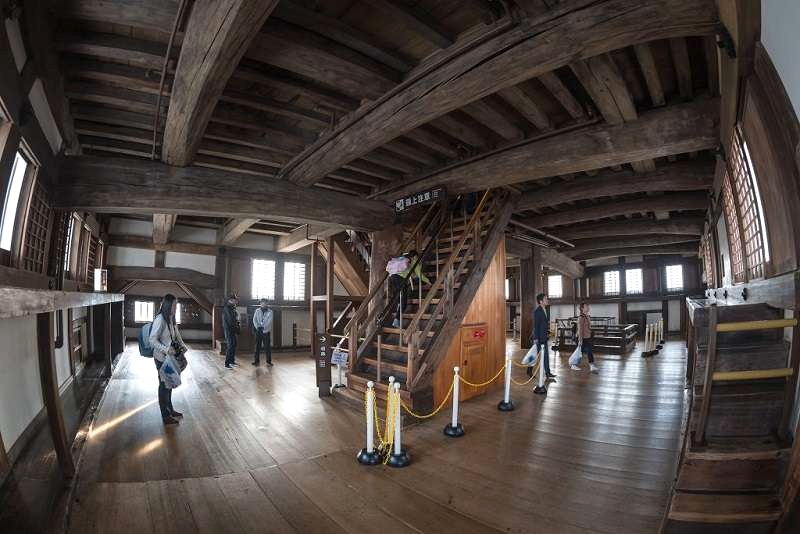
pixel 232 328
pixel 166 339
pixel 541 333
pixel 585 337
pixel 262 322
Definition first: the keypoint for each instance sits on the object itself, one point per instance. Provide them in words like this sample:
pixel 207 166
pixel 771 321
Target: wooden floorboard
pixel 258 451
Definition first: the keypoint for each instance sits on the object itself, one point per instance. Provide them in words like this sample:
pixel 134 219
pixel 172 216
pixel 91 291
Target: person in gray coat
pixel 262 322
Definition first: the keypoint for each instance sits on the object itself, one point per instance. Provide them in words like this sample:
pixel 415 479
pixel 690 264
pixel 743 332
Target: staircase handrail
pixel 450 261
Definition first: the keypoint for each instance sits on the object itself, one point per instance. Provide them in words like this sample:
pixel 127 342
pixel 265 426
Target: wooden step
pixel 743 358
pixel 400 349
pixel 443 259
pixel 395 367
pixel 724 509
pixel 396 331
pixel 358 381
pixel 445 236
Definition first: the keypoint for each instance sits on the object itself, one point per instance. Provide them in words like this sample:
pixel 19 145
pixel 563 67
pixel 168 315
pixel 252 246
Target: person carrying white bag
pixel 168 353
pixel 585 341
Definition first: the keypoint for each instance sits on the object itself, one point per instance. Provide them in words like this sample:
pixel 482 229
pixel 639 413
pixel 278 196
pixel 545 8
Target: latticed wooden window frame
pixel 734 234
pixel 743 188
pixel 93 259
pixel 37 231
pixel 706 252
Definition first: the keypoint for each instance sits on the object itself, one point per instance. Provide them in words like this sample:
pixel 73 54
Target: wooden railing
pixel 362 327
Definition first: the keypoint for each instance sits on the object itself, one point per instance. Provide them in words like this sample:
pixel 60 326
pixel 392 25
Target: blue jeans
pixel 586 348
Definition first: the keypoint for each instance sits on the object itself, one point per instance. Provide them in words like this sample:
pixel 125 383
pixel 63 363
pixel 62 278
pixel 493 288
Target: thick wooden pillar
pixel 329 286
pixel 530 270
pixel 313 290
pixel 108 353
pixel 117 327
pixel 52 401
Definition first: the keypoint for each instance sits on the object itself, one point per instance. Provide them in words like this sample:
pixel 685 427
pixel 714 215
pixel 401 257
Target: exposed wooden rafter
pixel 533 48
pixel 676 225
pixel 163 224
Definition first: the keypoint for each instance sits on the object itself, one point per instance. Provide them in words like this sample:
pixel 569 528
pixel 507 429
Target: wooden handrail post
pixel 711 360
pixel 413 352
pixel 791 384
pixel 52 401
pixel 353 342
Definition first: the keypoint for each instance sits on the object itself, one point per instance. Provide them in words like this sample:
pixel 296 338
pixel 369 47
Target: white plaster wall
pixel 197 262
pixel 190 234
pixel 301 317
pixel 260 242
pixel 604 310
pixel 131 257
pixel 779 19
pixel 119 226
pixel 562 311
pixel 20 386
pixel 647 305
pixel 601 261
pixel 675 315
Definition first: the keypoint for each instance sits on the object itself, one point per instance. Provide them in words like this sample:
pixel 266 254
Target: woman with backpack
pixel 166 339
pixel 402 269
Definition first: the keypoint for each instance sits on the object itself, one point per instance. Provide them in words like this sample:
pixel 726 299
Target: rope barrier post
pixel 399 458
pixel 660 334
pixel 506 405
pixel 454 429
pixel 540 388
pixel 368 455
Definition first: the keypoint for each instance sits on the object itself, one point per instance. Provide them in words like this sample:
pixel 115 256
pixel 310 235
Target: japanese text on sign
pixel 418 199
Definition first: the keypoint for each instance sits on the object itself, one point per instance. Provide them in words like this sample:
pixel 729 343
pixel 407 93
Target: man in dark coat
pixel 232 328
pixel 541 331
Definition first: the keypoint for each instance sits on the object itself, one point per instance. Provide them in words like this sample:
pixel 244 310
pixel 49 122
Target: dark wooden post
pixel 52 401
pixel 530 270
pixel 329 286
pixel 311 303
pixel 117 327
pixel 5 465
pixel 107 350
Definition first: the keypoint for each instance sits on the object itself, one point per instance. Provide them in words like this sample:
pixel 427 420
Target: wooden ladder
pixel 789 374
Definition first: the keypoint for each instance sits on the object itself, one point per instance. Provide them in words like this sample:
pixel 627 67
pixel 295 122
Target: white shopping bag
pixel 532 356
pixel 170 372
pixel 575 359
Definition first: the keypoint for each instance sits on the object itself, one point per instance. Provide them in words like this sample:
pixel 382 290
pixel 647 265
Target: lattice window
pixel 748 203
pixel 634 284
pixel 40 215
pixel 706 252
pixel 611 283
pixel 93 259
pixel 555 287
pixel 734 234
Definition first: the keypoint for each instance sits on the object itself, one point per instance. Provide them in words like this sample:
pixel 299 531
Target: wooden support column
pixel 52 401
pixel 530 271
pixel 108 351
pixel 117 327
pixel 329 285
pixel 314 274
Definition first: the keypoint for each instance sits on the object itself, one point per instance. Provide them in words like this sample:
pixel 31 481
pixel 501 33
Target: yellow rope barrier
pixel 523 383
pixel 437 410
pixel 483 383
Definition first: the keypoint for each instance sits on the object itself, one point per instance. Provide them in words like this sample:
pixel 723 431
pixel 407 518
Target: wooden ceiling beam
pixel 133 241
pixel 674 130
pixel 125 185
pixel 116 74
pixel 314 57
pixel 692 226
pixel 676 248
pixel 527 107
pixel 344 34
pixel 650 71
pixel 530 49
pixel 163 224
pixel 146 14
pixel 112 47
pixel 105 115
pixel 217 34
pixel 285 109
pixel 233 229
pixel 415 20
pixel 561 263
pixel 454 125
pixel 615 242
pixel 564 96
pixel 680 176
pixel 683 69
pixel 488 114
pixel 666 202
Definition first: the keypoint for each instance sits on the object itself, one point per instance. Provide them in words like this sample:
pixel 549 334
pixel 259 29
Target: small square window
pixel 506 288
pixel 294 280
pixel 143 311
pixel 611 283
pixel 263 286
pixel 554 286
pixel 674 277
pixel 633 282
pixel 178 310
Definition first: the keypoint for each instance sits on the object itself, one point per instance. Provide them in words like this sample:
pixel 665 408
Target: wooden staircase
pixel 736 451
pixel 455 249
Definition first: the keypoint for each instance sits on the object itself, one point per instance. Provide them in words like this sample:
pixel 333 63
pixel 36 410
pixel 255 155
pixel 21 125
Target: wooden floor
pixel 257 451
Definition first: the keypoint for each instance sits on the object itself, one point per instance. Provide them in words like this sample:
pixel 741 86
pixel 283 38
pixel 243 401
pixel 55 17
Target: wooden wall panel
pixel 488 307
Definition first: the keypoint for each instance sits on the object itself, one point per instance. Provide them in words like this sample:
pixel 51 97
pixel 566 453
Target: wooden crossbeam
pixel 674 130
pixel 677 225
pixel 530 49
pixel 616 242
pixel 163 274
pixel 217 35
pixel 418 22
pixel 234 229
pixel 126 185
pixel 679 248
pixel 681 176
pixel 666 202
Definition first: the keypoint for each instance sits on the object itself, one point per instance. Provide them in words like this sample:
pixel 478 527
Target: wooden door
pixel 474 358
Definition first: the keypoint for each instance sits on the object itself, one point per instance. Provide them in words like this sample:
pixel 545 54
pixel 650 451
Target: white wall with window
pixel 555 287
pixel 611 283
pixel 634 284
pixel 263 280
pixel 294 280
pixel 674 277
pixel 143 311
pixel 12 200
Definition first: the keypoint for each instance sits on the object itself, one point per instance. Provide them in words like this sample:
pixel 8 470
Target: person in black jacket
pixel 232 328
pixel 541 331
